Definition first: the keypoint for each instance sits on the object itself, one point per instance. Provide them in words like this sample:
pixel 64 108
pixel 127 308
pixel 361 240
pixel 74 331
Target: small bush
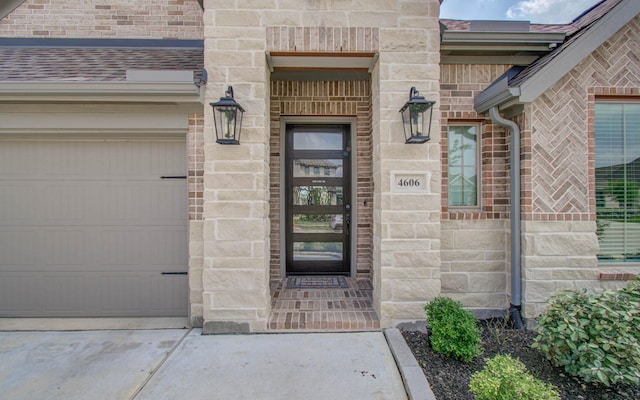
pixel 506 378
pixel 454 330
pixel 595 336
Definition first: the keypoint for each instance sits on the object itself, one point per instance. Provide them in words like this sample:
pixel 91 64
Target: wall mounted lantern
pixel 227 118
pixel 415 121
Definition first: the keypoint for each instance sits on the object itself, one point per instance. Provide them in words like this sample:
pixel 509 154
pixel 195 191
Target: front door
pixel 318 199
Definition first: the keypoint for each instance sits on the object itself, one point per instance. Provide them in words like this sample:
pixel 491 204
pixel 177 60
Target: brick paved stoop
pixel 331 310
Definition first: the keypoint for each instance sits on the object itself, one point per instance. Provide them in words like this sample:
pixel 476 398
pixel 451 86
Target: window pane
pixel 618 181
pixel 317 195
pixel 463 166
pixel 317 223
pixel 317 141
pixel 317 251
pixel 304 168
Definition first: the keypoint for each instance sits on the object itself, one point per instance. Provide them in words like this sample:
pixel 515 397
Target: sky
pixel 535 11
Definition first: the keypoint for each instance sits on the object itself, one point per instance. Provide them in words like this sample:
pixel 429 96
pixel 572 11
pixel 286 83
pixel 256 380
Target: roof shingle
pixel 92 63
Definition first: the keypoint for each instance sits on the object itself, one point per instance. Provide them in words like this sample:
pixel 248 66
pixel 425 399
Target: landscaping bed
pixel 449 378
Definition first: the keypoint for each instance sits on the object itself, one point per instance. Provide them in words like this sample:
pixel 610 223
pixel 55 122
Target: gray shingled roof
pixel 59 63
pixel 578 28
pixel 580 22
pixel 465 26
pixel 584 34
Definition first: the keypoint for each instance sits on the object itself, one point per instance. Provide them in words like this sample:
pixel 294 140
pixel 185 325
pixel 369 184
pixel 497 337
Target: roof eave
pixel 570 57
pixel 497 94
pixel 8 6
pixel 91 91
pixel 452 37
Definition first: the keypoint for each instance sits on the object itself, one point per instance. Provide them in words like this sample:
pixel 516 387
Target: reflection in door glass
pixel 317 251
pixel 317 223
pixel 317 195
pixel 317 141
pixel 317 168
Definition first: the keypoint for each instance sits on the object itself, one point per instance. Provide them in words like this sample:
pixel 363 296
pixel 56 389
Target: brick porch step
pixel 348 309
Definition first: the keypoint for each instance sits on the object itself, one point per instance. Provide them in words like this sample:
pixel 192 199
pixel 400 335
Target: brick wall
pixel 168 19
pixel 345 99
pixel 459 85
pixel 559 230
pixel 195 158
pixel 475 240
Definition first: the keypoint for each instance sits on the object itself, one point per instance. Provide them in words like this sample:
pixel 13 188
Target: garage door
pixel 89 228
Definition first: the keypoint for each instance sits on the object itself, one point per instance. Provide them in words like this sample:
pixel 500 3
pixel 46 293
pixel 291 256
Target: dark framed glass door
pixel 318 199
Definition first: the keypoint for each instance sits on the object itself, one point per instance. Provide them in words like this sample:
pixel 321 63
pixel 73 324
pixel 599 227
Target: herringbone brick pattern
pixel 561 155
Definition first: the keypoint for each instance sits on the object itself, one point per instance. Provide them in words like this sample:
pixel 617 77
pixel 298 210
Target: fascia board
pixel 564 62
pixel 496 94
pixel 523 38
pixel 7 6
pixel 174 92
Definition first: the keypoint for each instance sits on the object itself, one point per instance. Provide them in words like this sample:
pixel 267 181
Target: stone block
pixel 229 180
pixel 405 40
pixel 391 311
pixel 415 289
pixel 232 279
pixel 566 244
pixel 227 249
pixel 473 240
pixel 462 255
pixel 225 328
pixel 574 274
pixel 413 259
pixel 538 291
pixel 236 18
pixel 240 229
pixel 455 283
pixel 228 209
pixel 487 282
pixel 238 299
pixel 229 315
pixel 481 300
pixel 235 262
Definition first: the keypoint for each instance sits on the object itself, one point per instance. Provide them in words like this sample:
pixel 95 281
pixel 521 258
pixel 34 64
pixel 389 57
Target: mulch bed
pixel 449 379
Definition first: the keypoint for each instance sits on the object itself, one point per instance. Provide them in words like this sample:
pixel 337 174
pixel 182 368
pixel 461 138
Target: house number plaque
pixel 401 182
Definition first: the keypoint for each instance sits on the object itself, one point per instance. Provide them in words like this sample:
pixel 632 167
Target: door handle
pixel 347 219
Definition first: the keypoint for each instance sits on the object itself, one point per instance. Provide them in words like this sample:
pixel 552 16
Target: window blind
pixel 617 138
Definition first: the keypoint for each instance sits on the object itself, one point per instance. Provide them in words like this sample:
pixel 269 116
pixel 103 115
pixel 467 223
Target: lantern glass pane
pixel 226 122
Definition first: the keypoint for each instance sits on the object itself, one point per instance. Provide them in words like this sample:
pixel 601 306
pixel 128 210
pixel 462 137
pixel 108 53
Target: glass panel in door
pixel 318 191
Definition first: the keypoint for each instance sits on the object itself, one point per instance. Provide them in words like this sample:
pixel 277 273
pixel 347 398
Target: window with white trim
pixel 617 158
pixel 463 165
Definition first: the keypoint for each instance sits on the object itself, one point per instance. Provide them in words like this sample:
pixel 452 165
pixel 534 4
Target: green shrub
pixel 595 336
pixel 506 378
pixel 454 330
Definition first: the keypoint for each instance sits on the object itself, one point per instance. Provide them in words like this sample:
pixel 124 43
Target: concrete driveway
pixel 181 363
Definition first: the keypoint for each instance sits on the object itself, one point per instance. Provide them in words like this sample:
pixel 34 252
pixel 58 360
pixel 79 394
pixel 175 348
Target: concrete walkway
pixel 181 363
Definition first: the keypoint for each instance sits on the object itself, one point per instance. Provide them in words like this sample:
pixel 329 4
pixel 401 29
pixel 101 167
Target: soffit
pixel 286 65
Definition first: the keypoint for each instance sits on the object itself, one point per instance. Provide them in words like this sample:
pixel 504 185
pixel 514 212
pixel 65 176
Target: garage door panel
pixel 16 248
pixel 90 231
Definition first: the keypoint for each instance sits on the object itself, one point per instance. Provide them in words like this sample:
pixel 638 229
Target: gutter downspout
pixel 516 273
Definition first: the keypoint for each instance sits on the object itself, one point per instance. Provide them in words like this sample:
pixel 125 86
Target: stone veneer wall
pixel 475 241
pixel 335 98
pixel 406 227
pixel 163 19
pixel 559 231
